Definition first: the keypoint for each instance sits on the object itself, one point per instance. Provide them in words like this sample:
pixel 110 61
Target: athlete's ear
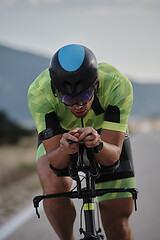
pixel 55 93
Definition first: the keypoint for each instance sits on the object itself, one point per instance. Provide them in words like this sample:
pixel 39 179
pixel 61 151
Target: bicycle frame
pixel 87 193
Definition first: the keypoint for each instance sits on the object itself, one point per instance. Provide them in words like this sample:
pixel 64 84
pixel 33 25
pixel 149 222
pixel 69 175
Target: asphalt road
pixel 146 222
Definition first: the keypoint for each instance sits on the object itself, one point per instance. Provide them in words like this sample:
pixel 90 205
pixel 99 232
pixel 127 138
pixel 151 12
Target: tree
pixel 10 132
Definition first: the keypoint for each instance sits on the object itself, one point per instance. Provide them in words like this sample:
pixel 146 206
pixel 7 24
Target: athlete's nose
pixel 78 107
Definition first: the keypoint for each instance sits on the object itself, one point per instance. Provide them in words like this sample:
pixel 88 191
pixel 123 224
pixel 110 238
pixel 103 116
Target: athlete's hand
pixel 64 143
pixel 90 136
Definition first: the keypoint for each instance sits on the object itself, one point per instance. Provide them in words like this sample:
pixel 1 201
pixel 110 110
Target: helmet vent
pixel 78 87
pixel 68 88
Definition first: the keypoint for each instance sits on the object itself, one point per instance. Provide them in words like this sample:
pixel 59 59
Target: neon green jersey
pixel 115 97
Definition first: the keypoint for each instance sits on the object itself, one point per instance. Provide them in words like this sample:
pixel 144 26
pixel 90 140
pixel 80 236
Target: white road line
pixel 7 229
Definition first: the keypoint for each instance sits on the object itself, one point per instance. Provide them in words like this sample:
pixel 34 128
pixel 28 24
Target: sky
pixel 124 33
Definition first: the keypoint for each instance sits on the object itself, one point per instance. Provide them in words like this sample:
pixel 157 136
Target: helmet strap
pixel 53 89
pixel 96 87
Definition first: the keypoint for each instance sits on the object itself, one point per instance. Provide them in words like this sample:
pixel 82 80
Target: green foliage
pixel 10 132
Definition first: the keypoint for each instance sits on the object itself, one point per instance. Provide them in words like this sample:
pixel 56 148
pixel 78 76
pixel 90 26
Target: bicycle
pixel 83 162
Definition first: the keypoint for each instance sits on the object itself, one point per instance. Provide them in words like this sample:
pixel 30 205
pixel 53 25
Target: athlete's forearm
pixel 109 154
pixel 58 158
pixel 59 150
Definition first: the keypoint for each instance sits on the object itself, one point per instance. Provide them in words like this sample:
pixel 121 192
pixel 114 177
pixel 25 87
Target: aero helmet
pixel 73 69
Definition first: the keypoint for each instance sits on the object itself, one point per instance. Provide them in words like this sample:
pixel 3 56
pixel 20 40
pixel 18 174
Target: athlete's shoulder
pixel 40 91
pixel 112 83
pixel 107 68
pixel 108 73
pixel 42 80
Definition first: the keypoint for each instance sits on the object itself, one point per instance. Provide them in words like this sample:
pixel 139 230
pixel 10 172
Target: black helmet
pixel 73 69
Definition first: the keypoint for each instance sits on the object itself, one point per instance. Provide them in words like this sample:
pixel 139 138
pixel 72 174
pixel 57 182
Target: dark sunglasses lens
pixel 81 99
pixel 86 96
pixel 68 100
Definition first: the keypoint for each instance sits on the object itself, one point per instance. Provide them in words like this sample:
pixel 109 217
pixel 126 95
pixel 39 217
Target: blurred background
pixel 124 33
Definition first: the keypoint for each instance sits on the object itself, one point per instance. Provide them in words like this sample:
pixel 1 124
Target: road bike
pixel 84 168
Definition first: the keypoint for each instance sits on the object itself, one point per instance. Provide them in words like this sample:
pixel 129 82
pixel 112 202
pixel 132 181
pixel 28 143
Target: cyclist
pixel 73 88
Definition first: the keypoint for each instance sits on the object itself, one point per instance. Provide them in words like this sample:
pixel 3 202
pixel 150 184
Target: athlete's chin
pixel 80 114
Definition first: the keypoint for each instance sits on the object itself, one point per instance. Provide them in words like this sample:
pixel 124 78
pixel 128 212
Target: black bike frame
pixel 87 193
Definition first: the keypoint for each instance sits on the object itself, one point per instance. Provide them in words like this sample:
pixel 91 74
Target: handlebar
pixel 85 193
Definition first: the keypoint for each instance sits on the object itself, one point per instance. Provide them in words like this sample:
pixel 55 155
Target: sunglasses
pixel 80 99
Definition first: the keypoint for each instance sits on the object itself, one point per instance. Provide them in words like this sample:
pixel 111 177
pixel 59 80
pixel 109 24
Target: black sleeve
pixel 53 127
pixel 112 114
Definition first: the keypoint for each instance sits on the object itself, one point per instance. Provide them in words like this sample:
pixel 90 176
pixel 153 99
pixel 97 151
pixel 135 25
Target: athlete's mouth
pixel 79 113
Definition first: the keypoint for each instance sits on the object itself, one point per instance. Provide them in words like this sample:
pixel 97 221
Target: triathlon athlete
pixel 78 99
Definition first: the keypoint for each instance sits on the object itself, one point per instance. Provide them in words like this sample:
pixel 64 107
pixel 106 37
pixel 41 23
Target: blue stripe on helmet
pixel 71 57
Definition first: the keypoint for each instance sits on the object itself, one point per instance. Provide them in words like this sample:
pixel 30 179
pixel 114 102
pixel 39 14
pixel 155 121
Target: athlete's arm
pixel 112 144
pixel 112 147
pixel 58 150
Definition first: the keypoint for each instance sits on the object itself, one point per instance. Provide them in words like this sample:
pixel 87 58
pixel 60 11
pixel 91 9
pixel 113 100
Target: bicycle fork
pixel 90 231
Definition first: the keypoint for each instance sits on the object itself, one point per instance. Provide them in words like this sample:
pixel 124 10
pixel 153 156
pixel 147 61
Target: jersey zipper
pixel 82 122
